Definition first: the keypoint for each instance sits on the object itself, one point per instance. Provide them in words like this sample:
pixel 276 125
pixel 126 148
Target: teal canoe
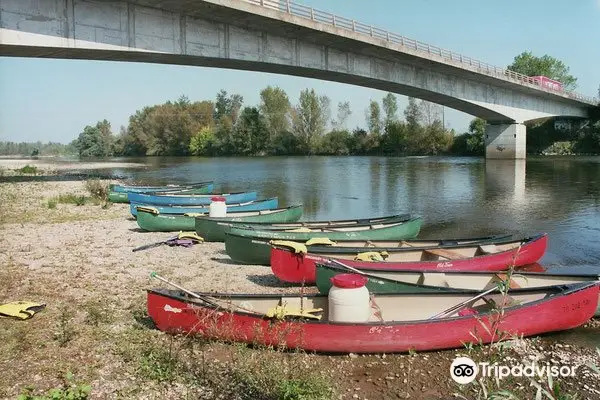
pixel 123 197
pixel 251 246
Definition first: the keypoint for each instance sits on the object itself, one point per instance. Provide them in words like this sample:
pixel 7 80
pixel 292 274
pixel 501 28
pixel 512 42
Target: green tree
pixel 202 142
pixel 336 143
pixel 528 64
pixel 95 141
pixel 390 108
pixel 395 137
pixel 275 107
pixel 309 119
pixel 476 139
pixel 412 113
pixel 250 133
pixel 374 118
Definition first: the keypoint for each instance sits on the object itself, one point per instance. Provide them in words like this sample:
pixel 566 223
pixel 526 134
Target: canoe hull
pixel 208 186
pixel 251 248
pixel 212 231
pixel 193 200
pixel 123 197
pixel 177 222
pixel 175 315
pixel 297 267
pixel 180 210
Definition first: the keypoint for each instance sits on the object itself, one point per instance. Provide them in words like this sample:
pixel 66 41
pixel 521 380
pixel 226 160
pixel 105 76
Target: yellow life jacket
pixel 372 256
pixel 20 309
pixel 297 247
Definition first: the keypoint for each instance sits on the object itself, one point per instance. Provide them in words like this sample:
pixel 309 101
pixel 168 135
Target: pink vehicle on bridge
pixel 547 82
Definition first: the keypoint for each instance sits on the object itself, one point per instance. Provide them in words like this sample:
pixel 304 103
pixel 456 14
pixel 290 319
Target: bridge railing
pixel 324 17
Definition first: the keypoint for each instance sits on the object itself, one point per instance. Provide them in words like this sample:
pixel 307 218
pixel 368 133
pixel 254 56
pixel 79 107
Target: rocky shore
pixel 77 260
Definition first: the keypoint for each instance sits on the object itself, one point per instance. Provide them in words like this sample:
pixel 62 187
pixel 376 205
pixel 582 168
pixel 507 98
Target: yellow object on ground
pixel 372 256
pixel 150 210
pixel 20 309
pixel 281 312
pixel 190 235
pixel 298 247
pixel 320 240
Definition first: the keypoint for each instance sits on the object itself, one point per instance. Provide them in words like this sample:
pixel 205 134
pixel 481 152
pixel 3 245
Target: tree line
pixel 35 149
pixel 275 127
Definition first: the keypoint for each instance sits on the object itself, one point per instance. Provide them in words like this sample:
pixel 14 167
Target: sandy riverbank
pixel 55 165
pixel 78 261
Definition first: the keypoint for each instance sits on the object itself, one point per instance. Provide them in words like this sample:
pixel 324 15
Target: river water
pixel 456 196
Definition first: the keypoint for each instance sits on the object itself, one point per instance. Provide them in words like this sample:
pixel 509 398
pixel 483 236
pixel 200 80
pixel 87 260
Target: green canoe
pixel 213 229
pixel 122 197
pixel 209 231
pixel 251 246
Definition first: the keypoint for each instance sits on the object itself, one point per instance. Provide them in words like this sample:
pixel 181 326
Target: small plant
pixel 52 204
pixel 96 313
pixel 303 389
pixel 28 169
pixel 158 364
pixel 65 332
pixel 97 189
pixel 71 199
pixel 68 391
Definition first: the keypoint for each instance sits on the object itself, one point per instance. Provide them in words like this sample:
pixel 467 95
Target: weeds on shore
pixel 69 390
pixel 97 189
pixel 27 170
pixel 260 372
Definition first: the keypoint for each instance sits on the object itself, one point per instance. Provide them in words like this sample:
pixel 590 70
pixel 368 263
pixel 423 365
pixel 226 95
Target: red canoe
pixel 406 319
pixel 290 266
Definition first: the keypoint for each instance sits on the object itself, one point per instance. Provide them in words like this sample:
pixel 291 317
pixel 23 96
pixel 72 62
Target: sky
pixel 53 100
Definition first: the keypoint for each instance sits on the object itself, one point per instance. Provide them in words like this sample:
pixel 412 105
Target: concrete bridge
pixel 286 38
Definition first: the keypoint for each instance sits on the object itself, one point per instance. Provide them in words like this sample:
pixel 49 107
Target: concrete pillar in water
pixel 505 141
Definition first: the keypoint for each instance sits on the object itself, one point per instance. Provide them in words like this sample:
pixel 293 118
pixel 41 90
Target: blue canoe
pixel 256 205
pixel 157 189
pixel 189 200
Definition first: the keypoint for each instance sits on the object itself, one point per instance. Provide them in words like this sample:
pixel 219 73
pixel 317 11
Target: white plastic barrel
pixel 349 299
pixel 217 207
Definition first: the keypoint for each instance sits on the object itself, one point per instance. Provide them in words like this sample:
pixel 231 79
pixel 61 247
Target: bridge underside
pixel 238 35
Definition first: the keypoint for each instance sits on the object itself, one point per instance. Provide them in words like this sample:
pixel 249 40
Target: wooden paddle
pixel 341 264
pixel 456 307
pixel 206 299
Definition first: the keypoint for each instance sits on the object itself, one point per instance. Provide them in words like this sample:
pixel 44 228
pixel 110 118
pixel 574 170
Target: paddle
pixel 456 307
pixel 192 236
pixel 341 264
pixel 206 299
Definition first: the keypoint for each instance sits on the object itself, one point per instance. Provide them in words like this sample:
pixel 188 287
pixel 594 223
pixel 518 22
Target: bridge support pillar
pixel 505 141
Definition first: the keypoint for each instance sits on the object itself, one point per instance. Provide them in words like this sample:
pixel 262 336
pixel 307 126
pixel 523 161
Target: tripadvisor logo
pixel 463 370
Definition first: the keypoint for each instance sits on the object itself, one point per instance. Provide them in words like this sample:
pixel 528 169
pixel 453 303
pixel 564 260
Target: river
pixel 456 196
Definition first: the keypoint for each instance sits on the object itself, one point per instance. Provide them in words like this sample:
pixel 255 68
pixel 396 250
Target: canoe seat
pixel 489 248
pixel 449 254
pixel 433 279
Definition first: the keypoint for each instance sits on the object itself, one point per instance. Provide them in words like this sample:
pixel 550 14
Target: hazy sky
pixel 54 99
